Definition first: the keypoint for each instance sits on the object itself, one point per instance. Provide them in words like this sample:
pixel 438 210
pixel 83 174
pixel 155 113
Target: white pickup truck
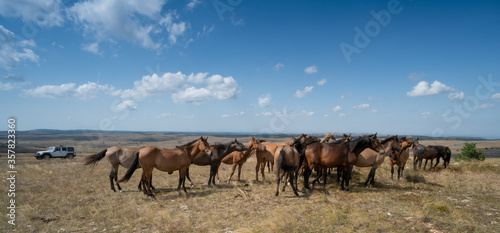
pixel 56 152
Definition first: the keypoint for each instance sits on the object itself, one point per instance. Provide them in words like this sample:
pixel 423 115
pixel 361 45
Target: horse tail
pixel 131 170
pixel 95 158
pixel 280 161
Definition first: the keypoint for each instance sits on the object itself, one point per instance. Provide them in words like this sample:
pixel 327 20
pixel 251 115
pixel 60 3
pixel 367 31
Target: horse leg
pixel 232 172
pixel 111 177
pixel 400 172
pixel 187 176
pixel 182 179
pixel 262 171
pixel 392 172
pixel 239 171
pixel 339 174
pixel 257 166
pixel 286 176
pixel 306 177
pixel 278 179
pixel 372 182
pixel 294 188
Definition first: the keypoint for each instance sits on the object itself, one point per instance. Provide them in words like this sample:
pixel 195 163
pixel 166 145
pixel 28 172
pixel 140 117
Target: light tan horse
pixel 401 157
pixel 116 156
pixel 372 158
pixel 166 160
pixel 237 158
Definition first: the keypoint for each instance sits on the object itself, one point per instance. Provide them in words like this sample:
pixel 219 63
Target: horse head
pixel 204 146
pixel 374 144
pixel 236 146
pixel 256 144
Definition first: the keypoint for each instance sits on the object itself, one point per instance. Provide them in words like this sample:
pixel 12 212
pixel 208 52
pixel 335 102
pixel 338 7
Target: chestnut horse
pixel 401 157
pixel 238 158
pixel 219 151
pixel 116 156
pixel 166 160
pixel 337 155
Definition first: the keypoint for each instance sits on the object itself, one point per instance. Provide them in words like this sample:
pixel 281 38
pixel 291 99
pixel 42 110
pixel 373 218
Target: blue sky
pixel 393 67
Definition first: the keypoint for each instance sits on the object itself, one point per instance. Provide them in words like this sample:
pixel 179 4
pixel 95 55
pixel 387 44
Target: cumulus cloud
pixel 13 52
pixel 93 48
pixel 265 100
pixel 303 93
pixel 423 89
pixel 321 82
pixel 126 105
pixel 337 108
pixel 458 95
pixel 13 81
pixel 278 66
pixel 485 106
pixel 175 29
pixel 107 19
pixel 45 13
pixel 217 87
pixel 311 69
pixel 70 90
pixel 495 96
pixel 192 4
pixel 361 106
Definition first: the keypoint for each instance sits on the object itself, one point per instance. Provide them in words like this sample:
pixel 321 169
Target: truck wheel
pixel 46 156
pixel 70 156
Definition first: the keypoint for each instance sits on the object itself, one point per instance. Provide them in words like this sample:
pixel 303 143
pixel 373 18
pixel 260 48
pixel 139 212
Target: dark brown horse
pixel 219 151
pixel 338 155
pixel 166 160
pixel 421 152
pixel 116 156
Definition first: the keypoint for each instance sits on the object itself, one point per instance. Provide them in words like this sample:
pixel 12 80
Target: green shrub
pixel 469 152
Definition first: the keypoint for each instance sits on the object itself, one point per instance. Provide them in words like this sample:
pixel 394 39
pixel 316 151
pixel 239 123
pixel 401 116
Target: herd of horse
pixel 289 160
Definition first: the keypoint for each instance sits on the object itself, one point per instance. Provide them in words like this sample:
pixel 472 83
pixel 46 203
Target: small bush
pixel 469 152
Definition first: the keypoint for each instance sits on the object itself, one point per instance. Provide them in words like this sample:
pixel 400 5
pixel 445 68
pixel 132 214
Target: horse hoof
pixel 121 191
pixel 276 194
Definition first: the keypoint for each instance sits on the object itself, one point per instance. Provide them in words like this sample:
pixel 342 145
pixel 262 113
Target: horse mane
pixel 261 140
pixel 189 143
pixel 387 139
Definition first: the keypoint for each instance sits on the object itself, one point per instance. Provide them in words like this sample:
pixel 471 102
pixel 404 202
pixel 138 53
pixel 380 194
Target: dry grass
pixel 63 195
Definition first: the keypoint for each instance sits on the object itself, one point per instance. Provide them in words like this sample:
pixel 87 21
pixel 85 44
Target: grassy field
pixel 60 195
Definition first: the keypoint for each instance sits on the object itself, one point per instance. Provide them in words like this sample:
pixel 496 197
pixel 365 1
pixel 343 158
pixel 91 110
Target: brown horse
pixel 116 156
pixel 421 152
pixel 219 151
pixel 401 157
pixel 371 158
pixel 166 160
pixel 286 162
pixel 238 158
pixel 337 155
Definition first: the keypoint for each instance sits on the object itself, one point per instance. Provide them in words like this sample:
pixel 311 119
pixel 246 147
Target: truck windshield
pixel 51 149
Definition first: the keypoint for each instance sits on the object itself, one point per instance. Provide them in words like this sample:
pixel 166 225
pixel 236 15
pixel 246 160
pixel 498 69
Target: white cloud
pixel 13 52
pixel 226 116
pixel 345 95
pixel 267 114
pixel 93 48
pixel 192 4
pixel 206 30
pixel 495 96
pixel 321 82
pixel 337 108
pixel 311 69
pixel 302 94
pixel 458 95
pixel 175 29
pixel 45 13
pixel 70 90
pixel 265 100
pixel 303 113
pixel 427 114
pixel 278 66
pixel 485 106
pixel 371 98
pixel 107 19
pixel 342 115
pixel 165 115
pixel 361 106
pixel 217 87
pixel 423 89
pixel 374 110
pixel 126 105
